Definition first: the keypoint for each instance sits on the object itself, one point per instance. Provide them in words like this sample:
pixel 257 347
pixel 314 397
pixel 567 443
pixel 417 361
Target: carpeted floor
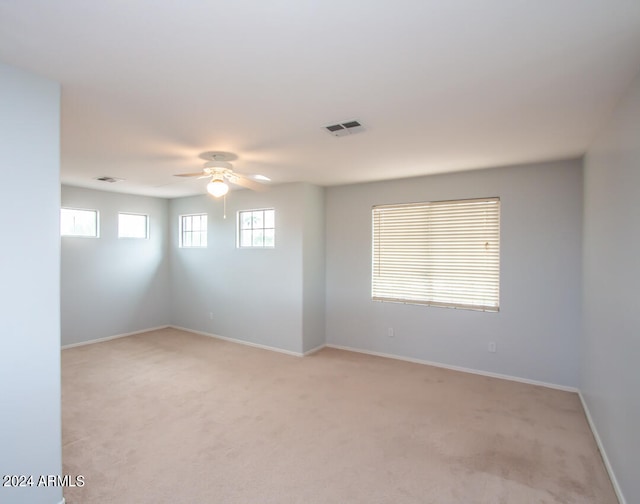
pixel 173 417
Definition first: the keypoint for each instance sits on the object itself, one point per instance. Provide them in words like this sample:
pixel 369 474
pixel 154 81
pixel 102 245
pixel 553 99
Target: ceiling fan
pixel 219 169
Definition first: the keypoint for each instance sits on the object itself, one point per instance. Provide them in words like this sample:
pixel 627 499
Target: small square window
pixel 133 225
pixel 78 222
pixel 193 231
pixel 256 228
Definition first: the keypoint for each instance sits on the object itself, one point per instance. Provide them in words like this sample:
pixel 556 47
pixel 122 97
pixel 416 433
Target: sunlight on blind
pixel 443 253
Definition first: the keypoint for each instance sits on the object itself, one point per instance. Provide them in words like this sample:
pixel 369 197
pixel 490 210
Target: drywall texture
pixel 30 287
pixel 255 295
pixel 610 380
pixel 537 327
pixel 112 286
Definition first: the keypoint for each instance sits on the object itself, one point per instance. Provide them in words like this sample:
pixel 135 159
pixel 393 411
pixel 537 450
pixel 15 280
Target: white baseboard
pixel 592 426
pixel 314 350
pixel 603 453
pixel 329 345
pixel 457 368
pixel 107 338
pixel 242 342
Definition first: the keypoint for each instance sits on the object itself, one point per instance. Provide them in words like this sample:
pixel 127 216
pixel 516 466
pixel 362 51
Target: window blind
pixel 444 253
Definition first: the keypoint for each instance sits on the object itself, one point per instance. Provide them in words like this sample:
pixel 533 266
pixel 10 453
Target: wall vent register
pixel 345 128
pixel 110 180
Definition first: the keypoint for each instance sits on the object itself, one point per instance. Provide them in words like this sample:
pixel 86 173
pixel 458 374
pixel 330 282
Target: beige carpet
pixel 174 417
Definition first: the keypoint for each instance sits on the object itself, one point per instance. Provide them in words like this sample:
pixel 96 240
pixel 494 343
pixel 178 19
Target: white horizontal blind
pixel 444 253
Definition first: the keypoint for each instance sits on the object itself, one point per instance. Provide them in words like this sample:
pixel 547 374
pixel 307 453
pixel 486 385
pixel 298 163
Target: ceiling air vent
pixel 111 180
pixel 345 128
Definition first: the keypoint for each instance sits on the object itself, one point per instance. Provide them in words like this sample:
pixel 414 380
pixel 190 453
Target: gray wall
pixel 610 380
pixel 112 286
pixel 537 327
pixel 255 295
pixel 313 268
pixel 30 288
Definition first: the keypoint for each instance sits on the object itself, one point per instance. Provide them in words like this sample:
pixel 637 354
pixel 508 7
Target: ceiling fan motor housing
pixel 218 164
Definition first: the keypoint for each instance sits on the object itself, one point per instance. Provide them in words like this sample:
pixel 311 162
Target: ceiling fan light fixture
pixel 217 188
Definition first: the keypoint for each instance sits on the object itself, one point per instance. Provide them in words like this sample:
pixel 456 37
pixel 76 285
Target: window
pixel 256 228
pixel 133 225
pixel 78 222
pixel 193 231
pixel 444 253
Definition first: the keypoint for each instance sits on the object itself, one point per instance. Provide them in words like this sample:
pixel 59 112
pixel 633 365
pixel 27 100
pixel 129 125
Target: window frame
pixel 428 253
pixel 240 229
pixel 97 221
pixel 182 231
pixel 146 227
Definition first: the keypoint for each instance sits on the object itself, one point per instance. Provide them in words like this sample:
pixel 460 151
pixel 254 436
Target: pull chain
pixel 224 206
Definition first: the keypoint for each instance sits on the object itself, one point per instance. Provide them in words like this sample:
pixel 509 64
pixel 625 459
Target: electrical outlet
pixel 390 332
pixel 492 346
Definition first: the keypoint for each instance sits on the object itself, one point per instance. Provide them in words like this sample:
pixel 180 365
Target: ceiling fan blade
pixel 199 174
pixel 243 181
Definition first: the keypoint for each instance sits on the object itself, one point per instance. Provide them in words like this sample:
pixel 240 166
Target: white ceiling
pixel 440 85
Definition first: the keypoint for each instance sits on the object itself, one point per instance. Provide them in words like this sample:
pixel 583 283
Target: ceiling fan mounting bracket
pixel 215 156
pixel 218 166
